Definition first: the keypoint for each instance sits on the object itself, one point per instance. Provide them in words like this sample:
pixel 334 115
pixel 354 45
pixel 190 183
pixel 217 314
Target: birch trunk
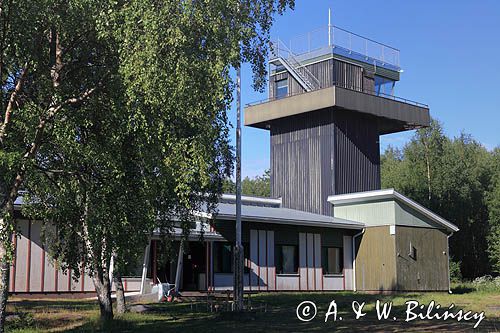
pixel 103 289
pixel 5 254
pixel 4 283
pixel 121 307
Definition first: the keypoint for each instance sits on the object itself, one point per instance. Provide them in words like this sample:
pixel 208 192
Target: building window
pixel 287 259
pixel 332 260
pixel 413 252
pixel 384 86
pixel 223 257
pixel 282 88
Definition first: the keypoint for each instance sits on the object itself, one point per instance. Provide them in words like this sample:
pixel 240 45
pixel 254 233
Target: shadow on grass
pixel 281 317
pixel 461 289
pixel 33 304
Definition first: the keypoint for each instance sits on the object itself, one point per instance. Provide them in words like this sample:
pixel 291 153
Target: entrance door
pixel 193 265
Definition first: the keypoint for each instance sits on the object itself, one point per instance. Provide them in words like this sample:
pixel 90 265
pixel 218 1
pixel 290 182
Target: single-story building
pixel 375 241
pixel 328 225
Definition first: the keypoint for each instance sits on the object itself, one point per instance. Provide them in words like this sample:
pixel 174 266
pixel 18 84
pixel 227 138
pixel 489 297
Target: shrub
pixel 487 283
pixel 455 273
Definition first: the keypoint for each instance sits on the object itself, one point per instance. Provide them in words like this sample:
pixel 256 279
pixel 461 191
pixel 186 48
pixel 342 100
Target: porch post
pixel 145 267
pixel 179 266
pixel 155 272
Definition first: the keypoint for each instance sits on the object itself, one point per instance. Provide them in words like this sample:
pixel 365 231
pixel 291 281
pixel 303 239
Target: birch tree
pixel 51 63
pixel 115 118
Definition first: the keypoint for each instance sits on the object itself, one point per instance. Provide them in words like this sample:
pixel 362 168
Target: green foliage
pixel 119 123
pixel 259 186
pixel 455 274
pixel 493 199
pixel 452 177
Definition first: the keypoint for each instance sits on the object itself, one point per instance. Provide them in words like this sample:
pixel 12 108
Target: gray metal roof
pixel 19 201
pixel 276 215
pixel 284 216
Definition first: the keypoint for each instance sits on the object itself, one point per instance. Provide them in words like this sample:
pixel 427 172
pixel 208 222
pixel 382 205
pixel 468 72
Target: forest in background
pixel 457 178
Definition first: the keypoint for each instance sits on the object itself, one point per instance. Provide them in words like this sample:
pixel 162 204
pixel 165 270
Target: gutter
pixel 354 258
pixel 252 199
pixel 324 224
pixel 448 262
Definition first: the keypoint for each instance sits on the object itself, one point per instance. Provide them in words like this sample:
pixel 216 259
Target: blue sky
pixel 449 53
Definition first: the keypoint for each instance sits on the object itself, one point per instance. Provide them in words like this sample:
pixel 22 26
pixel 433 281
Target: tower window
pixel 384 86
pixel 282 88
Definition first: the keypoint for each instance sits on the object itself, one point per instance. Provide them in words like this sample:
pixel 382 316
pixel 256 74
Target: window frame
pixel 278 259
pixel 277 95
pixel 246 257
pixel 324 260
pixel 216 259
pixel 413 252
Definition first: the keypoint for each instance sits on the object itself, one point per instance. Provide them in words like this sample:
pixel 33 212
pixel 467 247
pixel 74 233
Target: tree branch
pixel 12 101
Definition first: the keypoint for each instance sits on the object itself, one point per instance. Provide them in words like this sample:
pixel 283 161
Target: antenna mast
pixel 329 27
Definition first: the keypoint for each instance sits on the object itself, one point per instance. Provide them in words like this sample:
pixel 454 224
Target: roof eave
pixel 259 219
pixel 390 194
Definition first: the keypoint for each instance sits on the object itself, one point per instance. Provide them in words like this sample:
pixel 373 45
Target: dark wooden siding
pixel 293 86
pixel 322 153
pixel 357 153
pixel 328 73
pixel 348 75
pixel 430 269
pixel 301 170
pixel 376 260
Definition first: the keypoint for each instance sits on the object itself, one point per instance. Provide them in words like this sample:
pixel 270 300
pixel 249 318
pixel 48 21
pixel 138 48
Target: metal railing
pixel 279 50
pixel 325 38
pixel 362 91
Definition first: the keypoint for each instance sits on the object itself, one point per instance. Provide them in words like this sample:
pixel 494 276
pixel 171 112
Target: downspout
pixel 449 258
pixel 354 258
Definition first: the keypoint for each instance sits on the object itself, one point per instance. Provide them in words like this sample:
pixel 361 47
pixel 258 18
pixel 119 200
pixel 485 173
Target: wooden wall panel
pixel 262 272
pixel 301 169
pixel 323 153
pixel 263 259
pixel 348 75
pixel 430 269
pixel 293 85
pixel 376 260
pixel 62 280
pixel 310 261
pixel 302 261
pixel 328 72
pixel 357 153
pixel 271 272
pixel 311 278
pixel 37 257
pixel 49 283
pixel 347 249
pixel 22 256
pixel 333 282
pixel 287 282
pixel 254 259
pixel 318 271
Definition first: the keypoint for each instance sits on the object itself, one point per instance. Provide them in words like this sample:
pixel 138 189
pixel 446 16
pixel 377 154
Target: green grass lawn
pixel 275 312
